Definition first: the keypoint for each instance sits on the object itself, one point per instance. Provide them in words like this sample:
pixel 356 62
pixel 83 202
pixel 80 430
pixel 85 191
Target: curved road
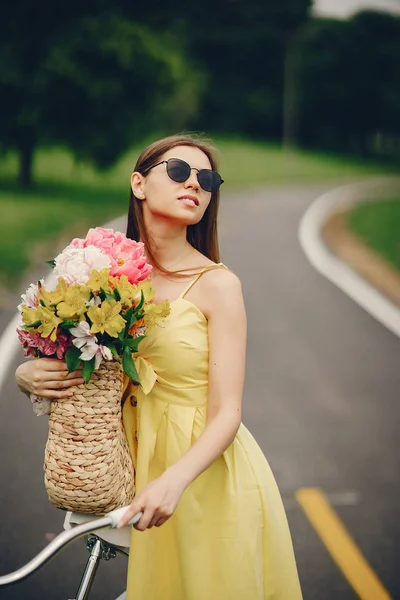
pixel 321 398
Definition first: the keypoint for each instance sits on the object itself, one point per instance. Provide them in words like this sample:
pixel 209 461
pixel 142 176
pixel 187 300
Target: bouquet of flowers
pixel 94 316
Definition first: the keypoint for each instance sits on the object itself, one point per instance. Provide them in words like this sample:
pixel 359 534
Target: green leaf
pixel 128 317
pixel 52 263
pixel 117 295
pixel 35 324
pixel 113 350
pixel 87 369
pixel 133 343
pixel 67 325
pixel 129 366
pixel 133 320
pixel 140 305
pixel 107 296
pixel 72 358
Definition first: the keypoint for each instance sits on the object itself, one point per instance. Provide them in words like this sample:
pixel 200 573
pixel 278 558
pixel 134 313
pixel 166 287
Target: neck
pixel 168 243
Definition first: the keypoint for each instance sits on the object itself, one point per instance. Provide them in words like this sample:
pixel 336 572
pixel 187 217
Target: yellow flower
pixel 126 290
pixel 29 315
pixel 147 289
pixel 106 318
pixel 100 279
pixel 74 304
pixel 156 312
pixel 50 322
pixel 55 296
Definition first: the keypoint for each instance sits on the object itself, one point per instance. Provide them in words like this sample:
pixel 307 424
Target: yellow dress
pixel 228 538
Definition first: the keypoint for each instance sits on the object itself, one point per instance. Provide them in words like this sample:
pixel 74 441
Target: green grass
pixel 378 225
pixel 68 198
pixel 246 163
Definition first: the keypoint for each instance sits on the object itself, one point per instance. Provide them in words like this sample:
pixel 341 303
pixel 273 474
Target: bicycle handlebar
pixel 111 520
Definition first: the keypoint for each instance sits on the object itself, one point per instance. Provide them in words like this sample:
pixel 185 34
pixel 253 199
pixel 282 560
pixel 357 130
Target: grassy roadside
pixel 378 225
pixel 68 198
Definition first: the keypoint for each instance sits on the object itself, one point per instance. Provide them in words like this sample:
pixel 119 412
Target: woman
pixel 214 520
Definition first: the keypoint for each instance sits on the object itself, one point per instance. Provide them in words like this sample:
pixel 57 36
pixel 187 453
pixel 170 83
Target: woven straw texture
pixel 87 465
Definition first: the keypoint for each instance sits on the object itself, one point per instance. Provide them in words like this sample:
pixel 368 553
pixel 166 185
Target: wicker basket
pixel 87 465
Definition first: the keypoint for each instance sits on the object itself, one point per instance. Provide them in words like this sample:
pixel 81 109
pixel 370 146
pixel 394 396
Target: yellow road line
pixel 340 545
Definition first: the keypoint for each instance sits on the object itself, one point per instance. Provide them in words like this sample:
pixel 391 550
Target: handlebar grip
pixel 117 514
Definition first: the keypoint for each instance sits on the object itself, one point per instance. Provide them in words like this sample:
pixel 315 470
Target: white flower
pixel 30 299
pixel 87 342
pixel 82 335
pixel 102 352
pixel 95 301
pixel 89 350
pixel 98 351
pixel 106 352
pixel 75 265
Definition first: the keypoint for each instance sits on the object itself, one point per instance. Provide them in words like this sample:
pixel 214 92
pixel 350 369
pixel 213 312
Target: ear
pixel 137 185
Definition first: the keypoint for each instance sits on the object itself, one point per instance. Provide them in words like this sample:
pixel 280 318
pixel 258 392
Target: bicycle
pixel 77 525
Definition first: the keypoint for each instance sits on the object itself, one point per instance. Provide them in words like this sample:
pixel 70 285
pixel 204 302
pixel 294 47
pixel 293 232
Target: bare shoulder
pixel 221 289
pixel 221 281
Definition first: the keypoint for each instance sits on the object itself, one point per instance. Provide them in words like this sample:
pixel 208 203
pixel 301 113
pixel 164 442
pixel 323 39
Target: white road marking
pixel 352 284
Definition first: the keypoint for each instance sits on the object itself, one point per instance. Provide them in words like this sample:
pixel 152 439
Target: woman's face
pixel 183 203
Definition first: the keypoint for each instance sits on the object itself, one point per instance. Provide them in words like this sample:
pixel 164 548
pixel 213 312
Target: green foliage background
pixel 99 77
pixel 85 85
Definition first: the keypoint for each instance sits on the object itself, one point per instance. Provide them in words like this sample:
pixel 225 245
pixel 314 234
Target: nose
pixel 192 182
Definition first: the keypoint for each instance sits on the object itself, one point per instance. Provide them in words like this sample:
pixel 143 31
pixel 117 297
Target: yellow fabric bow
pixel 147 375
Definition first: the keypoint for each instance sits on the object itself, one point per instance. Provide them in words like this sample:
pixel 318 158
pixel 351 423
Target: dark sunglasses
pixel 179 170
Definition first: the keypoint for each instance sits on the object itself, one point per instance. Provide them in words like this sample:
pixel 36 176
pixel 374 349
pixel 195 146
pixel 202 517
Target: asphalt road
pixel 321 398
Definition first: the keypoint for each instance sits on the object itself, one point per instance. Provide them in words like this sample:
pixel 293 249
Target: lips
pixel 193 199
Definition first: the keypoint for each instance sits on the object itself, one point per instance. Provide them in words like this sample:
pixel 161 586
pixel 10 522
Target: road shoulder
pixel 352 250
pixel 337 266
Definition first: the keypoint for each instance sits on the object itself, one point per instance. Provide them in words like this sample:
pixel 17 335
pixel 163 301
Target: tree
pixel 93 83
pixel 350 82
pixel 240 45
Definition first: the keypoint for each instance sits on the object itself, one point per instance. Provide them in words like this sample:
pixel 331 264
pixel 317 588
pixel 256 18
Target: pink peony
pixel 77 243
pixel 128 258
pixel 101 238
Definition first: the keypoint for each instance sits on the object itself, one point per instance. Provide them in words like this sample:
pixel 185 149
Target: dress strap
pixel 208 268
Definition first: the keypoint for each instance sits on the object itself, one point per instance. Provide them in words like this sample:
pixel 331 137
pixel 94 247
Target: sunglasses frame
pixel 190 170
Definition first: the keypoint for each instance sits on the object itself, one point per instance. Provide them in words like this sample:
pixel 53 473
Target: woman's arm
pixel 227 345
pixel 227 330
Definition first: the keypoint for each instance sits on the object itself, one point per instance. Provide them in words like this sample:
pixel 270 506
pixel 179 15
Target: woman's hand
pixel 157 501
pixel 47 378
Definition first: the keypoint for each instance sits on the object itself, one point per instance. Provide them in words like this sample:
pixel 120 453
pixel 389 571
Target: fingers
pixel 73 375
pixel 145 520
pixel 52 389
pixel 52 364
pixel 64 383
pixel 156 521
pixel 161 521
pixel 128 514
pixel 53 394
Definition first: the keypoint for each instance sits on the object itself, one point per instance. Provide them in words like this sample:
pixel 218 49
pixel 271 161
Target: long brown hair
pixel 203 235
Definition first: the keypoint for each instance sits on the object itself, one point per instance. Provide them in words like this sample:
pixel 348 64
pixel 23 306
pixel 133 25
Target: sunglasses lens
pixel 178 170
pixel 209 180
